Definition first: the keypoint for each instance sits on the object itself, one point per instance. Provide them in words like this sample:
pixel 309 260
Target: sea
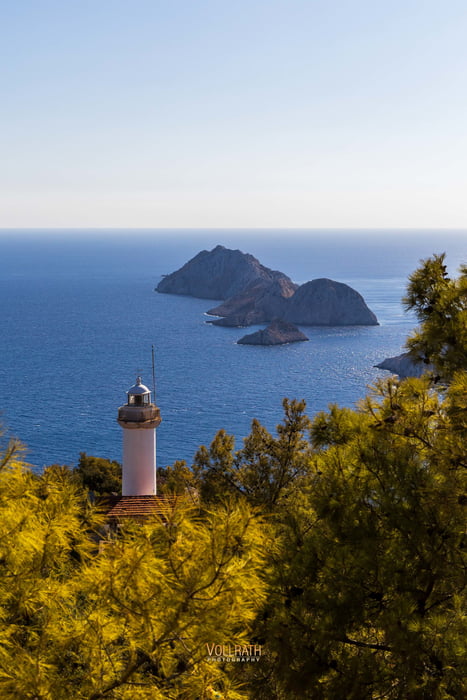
pixel 80 316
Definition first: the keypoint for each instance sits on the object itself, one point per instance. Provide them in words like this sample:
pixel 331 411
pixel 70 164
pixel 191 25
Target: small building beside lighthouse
pixel 139 418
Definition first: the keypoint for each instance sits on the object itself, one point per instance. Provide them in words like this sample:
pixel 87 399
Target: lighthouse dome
pixel 138 389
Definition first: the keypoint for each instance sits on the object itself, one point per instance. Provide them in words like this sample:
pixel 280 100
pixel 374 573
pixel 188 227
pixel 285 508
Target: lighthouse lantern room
pixel 139 418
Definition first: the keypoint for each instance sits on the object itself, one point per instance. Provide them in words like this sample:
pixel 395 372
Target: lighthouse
pixel 139 419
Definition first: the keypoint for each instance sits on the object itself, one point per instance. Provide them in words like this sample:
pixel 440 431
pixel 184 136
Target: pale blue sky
pixel 255 113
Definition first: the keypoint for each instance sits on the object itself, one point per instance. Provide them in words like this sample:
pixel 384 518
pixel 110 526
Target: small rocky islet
pixel 277 333
pixel 254 294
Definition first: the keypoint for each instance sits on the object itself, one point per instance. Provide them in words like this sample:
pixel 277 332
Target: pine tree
pixel 265 470
pixel 98 475
pixel 440 304
pixel 125 616
pixel 367 574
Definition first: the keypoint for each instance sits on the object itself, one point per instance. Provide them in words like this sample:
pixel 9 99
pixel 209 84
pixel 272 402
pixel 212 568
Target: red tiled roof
pixel 138 507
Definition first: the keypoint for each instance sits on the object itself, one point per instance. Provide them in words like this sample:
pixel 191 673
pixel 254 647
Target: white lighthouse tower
pixel 139 419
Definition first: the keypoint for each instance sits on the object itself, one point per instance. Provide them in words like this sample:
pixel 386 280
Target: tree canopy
pixel 99 475
pixel 366 566
pixel 88 615
pixel 440 304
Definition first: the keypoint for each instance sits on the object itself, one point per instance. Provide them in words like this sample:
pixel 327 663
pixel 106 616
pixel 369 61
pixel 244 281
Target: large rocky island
pixel 254 294
pixel 220 274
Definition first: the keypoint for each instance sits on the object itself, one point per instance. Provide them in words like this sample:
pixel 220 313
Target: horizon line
pixel 233 228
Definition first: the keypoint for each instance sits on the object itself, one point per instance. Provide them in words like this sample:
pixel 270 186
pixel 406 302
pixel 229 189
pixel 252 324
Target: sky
pixel 253 113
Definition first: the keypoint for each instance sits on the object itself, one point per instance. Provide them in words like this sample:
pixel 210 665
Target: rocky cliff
pixel 255 294
pixel 404 366
pixel 323 302
pixel 219 274
pixel 260 302
pixel 277 333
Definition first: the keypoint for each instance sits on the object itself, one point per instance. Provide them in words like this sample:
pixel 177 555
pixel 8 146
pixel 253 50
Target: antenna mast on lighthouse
pixel 153 377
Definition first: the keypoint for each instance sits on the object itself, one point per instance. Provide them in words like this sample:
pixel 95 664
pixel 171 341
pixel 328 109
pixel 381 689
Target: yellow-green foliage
pixel 125 617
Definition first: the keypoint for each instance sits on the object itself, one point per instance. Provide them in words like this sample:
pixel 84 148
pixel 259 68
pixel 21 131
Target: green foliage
pixel 43 540
pixel 440 304
pixel 177 479
pixel 367 586
pixel 265 471
pixel 127 616
pixel 99 475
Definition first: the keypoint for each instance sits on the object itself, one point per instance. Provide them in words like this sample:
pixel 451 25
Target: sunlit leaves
pixel 126 615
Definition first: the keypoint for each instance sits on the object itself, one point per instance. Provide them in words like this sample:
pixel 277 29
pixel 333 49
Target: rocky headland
pixel 277 333
pixel 220 274
pixel 253 293
pixel 404 366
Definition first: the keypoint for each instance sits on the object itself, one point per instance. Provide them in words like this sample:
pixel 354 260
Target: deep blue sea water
pixel 79 316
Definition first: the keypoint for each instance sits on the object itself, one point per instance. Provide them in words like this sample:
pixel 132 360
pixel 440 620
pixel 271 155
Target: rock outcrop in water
pixel 277 333
pixel 261 301
pixel 323 302
pixel 255 294
pixel 221 273
pixel 404 366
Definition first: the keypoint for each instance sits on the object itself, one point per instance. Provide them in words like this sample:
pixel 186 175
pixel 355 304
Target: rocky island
pixel 220 274
pixel 277 333
pixel 252 293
